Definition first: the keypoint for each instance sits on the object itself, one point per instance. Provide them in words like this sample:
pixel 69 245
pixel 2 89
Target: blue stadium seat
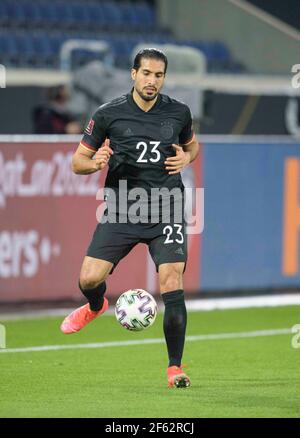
pixel 146 14
pixel 205 48
pixel 220 51
pixel 96 17
pixel 55 14
pixel 16 13
pixel 111 14
pixel 43 50
pixel 26 49
pixel 48 14
pixel 63 14
pixel 3 48
pixel 80 14
pixel 10 50
pixel 52 44
pixel 32 13
pixel 4 15
pixel 129 16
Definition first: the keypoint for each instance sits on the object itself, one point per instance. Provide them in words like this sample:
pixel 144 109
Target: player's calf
pixel 97 305
pixel 95 295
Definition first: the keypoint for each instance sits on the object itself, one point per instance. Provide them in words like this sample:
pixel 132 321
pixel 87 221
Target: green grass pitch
pixel 236 377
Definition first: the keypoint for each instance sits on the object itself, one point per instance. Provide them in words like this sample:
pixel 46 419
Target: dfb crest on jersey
pixel 166 129
pixel 90 127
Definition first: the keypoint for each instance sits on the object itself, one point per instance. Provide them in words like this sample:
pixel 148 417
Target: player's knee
pixel 171 281
pixel 88 282
pixel 170 285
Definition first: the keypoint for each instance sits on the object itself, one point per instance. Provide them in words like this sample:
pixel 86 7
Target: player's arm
pixel 185 154
pixel 191 148
pixel 86 160
pixel 187 149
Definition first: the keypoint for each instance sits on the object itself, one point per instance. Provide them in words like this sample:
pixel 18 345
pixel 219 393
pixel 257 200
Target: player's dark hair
pixel 149 53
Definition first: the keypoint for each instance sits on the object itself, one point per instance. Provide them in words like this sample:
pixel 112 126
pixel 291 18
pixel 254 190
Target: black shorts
pixel 167 242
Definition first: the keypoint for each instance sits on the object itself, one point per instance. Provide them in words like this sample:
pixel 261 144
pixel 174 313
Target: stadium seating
pixel 33 31
pixel 75 13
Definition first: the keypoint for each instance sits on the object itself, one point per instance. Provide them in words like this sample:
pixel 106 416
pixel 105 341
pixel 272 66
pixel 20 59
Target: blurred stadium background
pixel 231 61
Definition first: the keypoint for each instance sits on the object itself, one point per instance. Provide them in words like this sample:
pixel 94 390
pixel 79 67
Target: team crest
pixel 90 127
pixel 167 130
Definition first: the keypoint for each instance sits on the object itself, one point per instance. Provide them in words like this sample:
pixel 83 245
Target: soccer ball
pixel 136 310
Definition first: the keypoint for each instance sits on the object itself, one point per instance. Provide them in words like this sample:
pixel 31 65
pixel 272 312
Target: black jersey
pixel 141 140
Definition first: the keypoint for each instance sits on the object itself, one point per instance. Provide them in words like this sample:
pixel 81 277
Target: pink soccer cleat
pixel 177 378
pixel 80 318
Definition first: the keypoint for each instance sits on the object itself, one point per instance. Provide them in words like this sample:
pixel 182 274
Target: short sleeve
pixel 95 131
pixel 187 132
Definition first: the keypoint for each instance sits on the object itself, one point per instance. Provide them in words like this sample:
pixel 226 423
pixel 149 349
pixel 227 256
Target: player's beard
pixel 146 97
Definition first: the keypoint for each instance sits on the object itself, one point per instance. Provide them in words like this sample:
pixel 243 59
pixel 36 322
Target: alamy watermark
pixel 296 337
pixel 2 76
pixel 2 336
pixel 296 77
pixel 159 205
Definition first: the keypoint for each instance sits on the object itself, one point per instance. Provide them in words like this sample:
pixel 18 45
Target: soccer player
pixel 146 139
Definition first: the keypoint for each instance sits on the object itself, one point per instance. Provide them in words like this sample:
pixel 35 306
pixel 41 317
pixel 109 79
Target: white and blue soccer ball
pixel 136 310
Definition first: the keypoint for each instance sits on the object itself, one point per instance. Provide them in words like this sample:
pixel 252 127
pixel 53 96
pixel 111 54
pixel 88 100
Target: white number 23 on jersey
pixel 155 154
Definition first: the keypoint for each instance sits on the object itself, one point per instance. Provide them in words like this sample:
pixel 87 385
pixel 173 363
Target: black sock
pixel 95 296
pixel 175 318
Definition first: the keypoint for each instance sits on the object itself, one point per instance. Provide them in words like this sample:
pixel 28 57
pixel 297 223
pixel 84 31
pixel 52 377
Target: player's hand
pixel 102 155
pixel 179 161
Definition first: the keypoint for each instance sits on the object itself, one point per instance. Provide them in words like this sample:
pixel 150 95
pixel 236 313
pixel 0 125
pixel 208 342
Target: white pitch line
pixel 211 337
pixel 203 304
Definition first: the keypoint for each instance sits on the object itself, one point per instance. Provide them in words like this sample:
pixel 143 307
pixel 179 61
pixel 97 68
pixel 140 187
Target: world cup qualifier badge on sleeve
pixel 90 127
